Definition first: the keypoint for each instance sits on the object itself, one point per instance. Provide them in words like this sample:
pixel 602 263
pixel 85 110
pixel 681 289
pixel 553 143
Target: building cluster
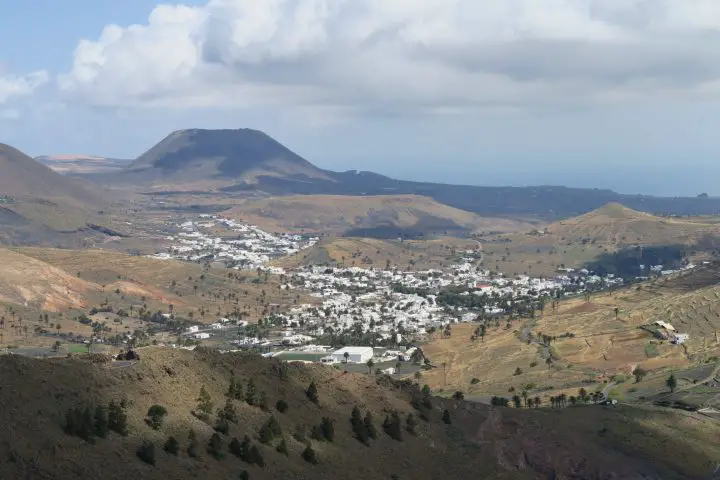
pixel 367 307
pixel 234 244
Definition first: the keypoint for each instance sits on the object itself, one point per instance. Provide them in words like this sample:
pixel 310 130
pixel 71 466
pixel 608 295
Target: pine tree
pixel 281 406
pixel 117 418
pixel 393 426
pixel 256 456
pixel 446 416
pixel 232 388
pixel 171 446
pixel 251 393
pixel 87 425
pixel 245 448
pixel 328 428
pixel 215 446
pixel 282 447
pixel 370 426
pixel 265 434
pixel 146 452
pixel 101 422
pixel 192 449
pixel 73 417
pixel 312 392
pixel 205 405
pixel 411 423
pixel 228 413
pixel 309 455
pixel 235 447
pixel 358 426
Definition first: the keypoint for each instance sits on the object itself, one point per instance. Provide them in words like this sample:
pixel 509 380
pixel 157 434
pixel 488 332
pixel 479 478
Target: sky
pixel 621 94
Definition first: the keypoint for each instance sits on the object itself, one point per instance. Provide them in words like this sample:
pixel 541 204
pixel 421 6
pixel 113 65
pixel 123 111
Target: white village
pixel 367 315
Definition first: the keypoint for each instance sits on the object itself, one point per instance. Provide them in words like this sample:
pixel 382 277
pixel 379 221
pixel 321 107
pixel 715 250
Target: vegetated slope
pixel 591 344
pixel 482 442
pixel 192 158
pixel 385 215
pixel 27 281
pixel 82 164
pixel 192 289
pixel 577 241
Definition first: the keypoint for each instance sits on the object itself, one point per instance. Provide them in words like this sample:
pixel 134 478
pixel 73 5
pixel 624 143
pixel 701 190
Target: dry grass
pixel 335 213
pixel 482 443
pixel 576 241
pixel 601 347
pixel 370 252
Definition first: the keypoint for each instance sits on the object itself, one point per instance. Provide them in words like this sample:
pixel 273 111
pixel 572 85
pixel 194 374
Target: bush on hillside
pixel 146 452
pixel 155 416
pixel 172 446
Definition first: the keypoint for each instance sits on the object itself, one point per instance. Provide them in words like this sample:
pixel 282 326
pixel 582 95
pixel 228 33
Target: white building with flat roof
pixel 355 354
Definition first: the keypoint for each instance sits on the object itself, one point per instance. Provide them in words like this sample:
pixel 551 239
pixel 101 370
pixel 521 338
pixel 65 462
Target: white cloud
pixel 21 85
pixel 392 56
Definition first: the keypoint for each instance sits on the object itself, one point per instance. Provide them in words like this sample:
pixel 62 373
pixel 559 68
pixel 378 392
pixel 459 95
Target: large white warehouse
pixel 355 354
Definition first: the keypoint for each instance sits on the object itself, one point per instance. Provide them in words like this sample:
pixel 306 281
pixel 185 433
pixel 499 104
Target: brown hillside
pixel 24 177
pixel 25 280
pixel 482 442
pixel 592 344
pixel 615 223
pixel 336 213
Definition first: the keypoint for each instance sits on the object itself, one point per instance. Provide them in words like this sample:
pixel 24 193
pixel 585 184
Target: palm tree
pixel 370 365
pixel 671 382
pixel 346 355
pixel 617 312
pixel 537 402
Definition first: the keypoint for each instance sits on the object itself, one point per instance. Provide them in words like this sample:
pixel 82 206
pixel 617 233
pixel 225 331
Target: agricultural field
pixel 596 343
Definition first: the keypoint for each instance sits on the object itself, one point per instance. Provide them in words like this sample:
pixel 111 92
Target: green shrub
pixel 312 393
pixel 155 416
pixel 146 453
pixel 215 446
pixel 281 406
pixel 172 446
pixel 309 455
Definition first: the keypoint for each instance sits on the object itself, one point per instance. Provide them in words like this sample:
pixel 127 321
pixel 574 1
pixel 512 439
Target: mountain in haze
pixel 40 206
pixel 23 177
pixel 250 160
pixel 82 164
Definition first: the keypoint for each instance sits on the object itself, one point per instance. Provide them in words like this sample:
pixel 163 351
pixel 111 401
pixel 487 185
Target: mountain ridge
pixel 247 160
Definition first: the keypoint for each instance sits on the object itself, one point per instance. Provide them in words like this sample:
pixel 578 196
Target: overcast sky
pixel 621 94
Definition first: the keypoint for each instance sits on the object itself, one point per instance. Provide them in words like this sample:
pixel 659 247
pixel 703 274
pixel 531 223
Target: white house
pixel 355 354
pixel 193 329
pixel 201 336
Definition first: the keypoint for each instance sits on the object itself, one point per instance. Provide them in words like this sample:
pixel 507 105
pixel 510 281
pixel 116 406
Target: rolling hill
pixel 480 442
pixel 617 224
pixel 577 241
pixel 387 216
